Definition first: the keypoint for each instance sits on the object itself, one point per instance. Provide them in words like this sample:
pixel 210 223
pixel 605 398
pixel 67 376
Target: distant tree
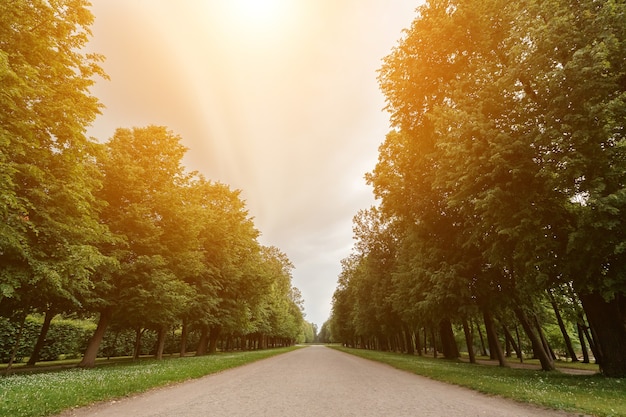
pixel 230 286
pixel 342 327
pixel 324 335
pixel 283 302
pixel 307 335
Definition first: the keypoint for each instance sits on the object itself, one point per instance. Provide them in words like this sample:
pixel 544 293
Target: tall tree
pixel 524 102
pixel 49 229
pixel 142 173
pixel 585 126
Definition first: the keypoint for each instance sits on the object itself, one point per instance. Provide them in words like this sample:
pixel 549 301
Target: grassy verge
pixel 588 394
pixel 43 394
pixel 561 364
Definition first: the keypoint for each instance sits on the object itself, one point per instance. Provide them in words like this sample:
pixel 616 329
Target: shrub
pixel 65 337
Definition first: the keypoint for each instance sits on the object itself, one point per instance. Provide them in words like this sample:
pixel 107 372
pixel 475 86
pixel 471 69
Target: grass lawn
pixel 47 393
pixel 561 364
pixel 589 394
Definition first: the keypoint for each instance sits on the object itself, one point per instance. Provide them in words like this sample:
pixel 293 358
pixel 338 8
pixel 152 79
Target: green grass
pixel 592 367
pixel 588 394
pixel 42 394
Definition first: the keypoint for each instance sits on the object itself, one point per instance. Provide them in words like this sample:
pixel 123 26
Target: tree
pixel 49 229
pixel 586 125
pixel 375 244
pixel 231 285
pixel 308 333
pixel 342 328
pixel 282 303
pixel 324 335
pixel 521 106
pixel 142 174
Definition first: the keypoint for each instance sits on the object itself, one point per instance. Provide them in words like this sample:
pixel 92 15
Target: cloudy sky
pixel 277 98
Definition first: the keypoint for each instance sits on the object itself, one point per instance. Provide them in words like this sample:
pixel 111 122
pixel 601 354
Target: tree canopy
pixel 117 231
pixel 49 228
pixel 504 173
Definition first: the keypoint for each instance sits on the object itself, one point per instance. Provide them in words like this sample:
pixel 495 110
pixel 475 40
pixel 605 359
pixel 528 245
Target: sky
pixel 276 98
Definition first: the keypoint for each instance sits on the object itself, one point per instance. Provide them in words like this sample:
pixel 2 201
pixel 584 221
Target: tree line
pixel 118 231
pixel 501 184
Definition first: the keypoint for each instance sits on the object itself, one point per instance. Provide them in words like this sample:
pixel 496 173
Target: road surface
pixel 314 381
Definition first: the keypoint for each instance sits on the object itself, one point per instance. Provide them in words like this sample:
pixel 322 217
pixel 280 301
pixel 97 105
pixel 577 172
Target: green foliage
pixel 280 310
pixel 120 229
pixel 505 173
pixel 49 225
pixel 325 334
pixel 308 333
pixel 65 338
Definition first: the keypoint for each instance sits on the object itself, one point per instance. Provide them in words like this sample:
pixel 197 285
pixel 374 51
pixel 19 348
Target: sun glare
pixel 259 15
pixel 260 10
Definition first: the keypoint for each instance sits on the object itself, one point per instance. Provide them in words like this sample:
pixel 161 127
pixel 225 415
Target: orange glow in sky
pixel 255 14
pixel 277 98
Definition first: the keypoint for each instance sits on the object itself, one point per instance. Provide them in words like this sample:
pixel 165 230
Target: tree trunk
pixel 183 339
pixel 547 364
pixel 418 342
pixel 408 339
pixel 608 320
pixel 213 336
pixel 161 342
pixel 138 334
pixel 542 336
pixel 583 345
pixel 511 341
pixel 507 343
pixel 401 342
pixel 203 343
pixel 383 344
pixel 433 338
pixel 559 319
pixel 519 344
pixel 592 344
pixel 482 339
pixel 469 341
pixel 41 340
pixel 448 342
pixel 492 338
pixel 16 346
pixel 89 358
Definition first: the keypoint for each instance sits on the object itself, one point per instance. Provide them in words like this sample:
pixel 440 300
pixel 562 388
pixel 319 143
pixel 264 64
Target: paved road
pixel 314 381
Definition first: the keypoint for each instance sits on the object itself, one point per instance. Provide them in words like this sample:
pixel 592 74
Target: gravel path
pixel 314 381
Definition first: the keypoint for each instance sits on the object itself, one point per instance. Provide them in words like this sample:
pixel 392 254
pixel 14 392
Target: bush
pixel 9 332
pixel 65 337
pixel 68 339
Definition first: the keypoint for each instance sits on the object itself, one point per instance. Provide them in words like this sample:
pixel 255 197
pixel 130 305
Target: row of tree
pixel 503 183
pixel 118 231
